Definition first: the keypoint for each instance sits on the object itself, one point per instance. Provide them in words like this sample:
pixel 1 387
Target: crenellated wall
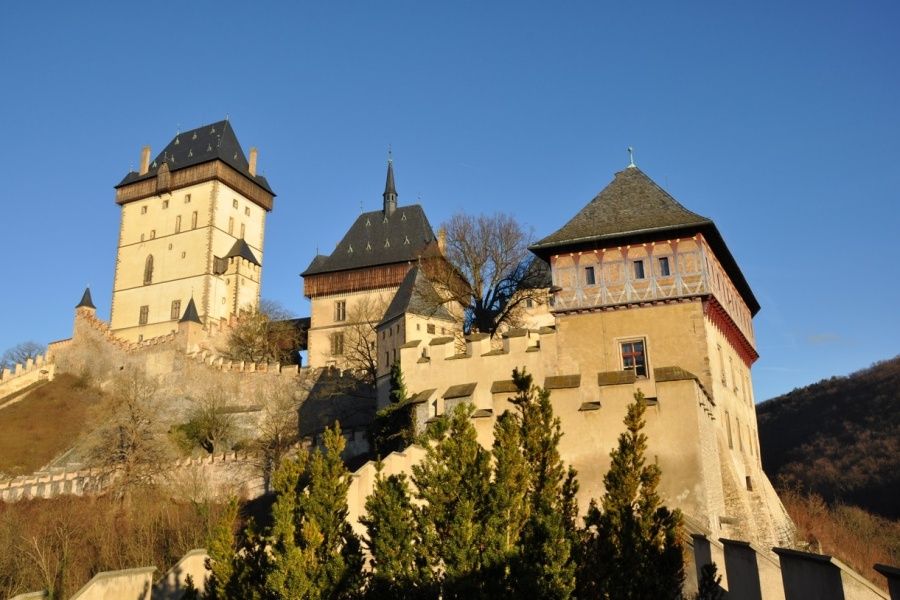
pixel 21 376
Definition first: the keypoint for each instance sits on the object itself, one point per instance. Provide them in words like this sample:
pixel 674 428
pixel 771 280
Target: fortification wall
pixel 21 376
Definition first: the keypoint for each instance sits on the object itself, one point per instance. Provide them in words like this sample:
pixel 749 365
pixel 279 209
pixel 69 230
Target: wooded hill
pixel 839 438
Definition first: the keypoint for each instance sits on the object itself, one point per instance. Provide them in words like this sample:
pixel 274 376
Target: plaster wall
pixel 324 324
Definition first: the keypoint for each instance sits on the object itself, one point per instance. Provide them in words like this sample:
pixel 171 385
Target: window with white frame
pixel 340 310
pixel 634 356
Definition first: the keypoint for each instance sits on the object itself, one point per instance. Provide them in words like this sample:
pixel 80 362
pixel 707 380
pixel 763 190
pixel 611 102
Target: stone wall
pixel 21 376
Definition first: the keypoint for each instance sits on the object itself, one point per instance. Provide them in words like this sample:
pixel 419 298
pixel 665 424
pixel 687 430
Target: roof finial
pixel 631 164
pixel 390 154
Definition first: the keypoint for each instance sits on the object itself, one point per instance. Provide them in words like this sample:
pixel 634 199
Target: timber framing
pixel 355 280
pixel 167 182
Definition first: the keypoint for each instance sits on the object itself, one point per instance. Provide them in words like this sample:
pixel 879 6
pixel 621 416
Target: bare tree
pixel 265 334
pixel 20 353
pixel 360 347
pixel 210 423
pixel 279 429
pixel 487 269
pixel 131 449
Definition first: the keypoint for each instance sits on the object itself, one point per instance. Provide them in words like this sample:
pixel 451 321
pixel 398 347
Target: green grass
pixel 44 424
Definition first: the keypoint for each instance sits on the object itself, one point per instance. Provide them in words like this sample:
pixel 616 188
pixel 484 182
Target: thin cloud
pixel 820 339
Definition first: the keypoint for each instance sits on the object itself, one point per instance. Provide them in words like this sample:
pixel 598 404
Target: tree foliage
pixel 487 269
pixel 264 334
pixel 393 428
pixel 632 548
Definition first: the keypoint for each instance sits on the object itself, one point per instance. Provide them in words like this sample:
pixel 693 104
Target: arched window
pixel 148 270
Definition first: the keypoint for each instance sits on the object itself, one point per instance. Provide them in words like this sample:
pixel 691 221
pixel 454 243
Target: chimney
pixel 145 160
pixel 252 168
pixel 442 239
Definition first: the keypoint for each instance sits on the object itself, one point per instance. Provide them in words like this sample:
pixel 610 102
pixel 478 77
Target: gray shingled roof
pixel 240 248
pixel 216 141
pixel 634 207
pixel 379 239
pixel 631 204
pixel 408 299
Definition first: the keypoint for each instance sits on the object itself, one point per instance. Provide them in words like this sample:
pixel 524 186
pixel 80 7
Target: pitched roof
pixel 634 207
pixel 632 204
pixel 86 300
pixel 190 313
pixel 376 238
pixel 216 141
pixel 409 299
pixel 240 248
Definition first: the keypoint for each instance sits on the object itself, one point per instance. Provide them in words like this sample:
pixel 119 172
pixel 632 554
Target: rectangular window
pixel 165 204
pixel 234 203
pixel 230 225
pixel 152 234
pixel 728 427
pixel 187 198
pixel 176 310
pixel 664 267
pixel 247 210
pixel 734 380
pixel 144 316
pixel 430 328
pixel 638 269
pixel 340 310
pixel 177 223
pixel 634 358
pixel 194 220
pixel 589 276
pixel 337 344
pixel 243 230
pixel 529 303
pixel 387 359
pixel 143 210
pixel 721 364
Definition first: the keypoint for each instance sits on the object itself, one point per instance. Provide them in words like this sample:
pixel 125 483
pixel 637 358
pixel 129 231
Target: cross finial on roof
pixel 631 164
pixel 390 154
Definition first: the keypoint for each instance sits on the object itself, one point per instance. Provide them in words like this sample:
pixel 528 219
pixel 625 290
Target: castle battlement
pixel 39 368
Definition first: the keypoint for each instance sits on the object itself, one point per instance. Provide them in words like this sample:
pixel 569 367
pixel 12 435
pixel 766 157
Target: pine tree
pixel 452 482
pixel 398 569
pixel 545 565
pixel 315 553
pixel 393 428
pixel 632 550
pixel 709 586
pixel 221 550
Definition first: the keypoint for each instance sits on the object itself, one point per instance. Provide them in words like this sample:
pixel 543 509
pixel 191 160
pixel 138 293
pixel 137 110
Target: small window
pixel 243 230
pixel 234 203
pixel 230 225
pixel 176 310
pixel 418 327
pixel 387 358
pixel 337 344
pixel 728 428
pixel 148 270
pixel 634 357
pixel 721 364
pixel 194 220
pixel 143 210
pixel 589 276
pixel 178 224
pixel 247 210
pixel 430 328
pixel 529 303
pixel 183 254
pixel 664 266
pixel 187 198
pixel 152 234
pixel 142 237
pixel 749 484
pixel 638 269
pixel 340 310
pixel 165 204
pixel 144 316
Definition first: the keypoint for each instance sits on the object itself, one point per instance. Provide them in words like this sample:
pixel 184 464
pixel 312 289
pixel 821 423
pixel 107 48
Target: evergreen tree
pixel 220 545
pixel 393 428
pixel 709 586
pixel 398 569
pixel 452 483
pixel 632 550
pixel 545 565
pixel 315 554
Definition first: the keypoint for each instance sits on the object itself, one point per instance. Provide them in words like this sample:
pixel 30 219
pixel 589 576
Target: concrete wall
pixel 173 584
pixel 133 584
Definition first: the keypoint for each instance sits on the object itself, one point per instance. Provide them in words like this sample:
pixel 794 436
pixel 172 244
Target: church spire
pixel 390 190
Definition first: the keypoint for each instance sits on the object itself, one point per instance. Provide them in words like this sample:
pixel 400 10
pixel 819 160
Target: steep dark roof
pixel 86 300
pixel 216 141
pixel 634 208
pixel 389 187
pixel 190 313
pixel 240 248
pixel 376 238
pixel 408 299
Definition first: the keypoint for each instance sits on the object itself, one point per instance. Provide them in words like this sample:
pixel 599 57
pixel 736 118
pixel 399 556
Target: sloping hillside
pixel 839 438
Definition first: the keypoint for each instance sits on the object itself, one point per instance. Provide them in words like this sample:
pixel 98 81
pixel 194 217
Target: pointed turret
pixel 190 313
pixel 86 300
pixel 390 190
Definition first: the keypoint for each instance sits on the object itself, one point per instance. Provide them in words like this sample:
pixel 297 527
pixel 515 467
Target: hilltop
pixel 838 438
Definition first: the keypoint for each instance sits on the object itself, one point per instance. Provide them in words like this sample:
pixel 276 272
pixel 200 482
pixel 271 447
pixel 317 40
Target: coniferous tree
pixel 220 562
pixel 632 550
pixel 315 554
pixel 709 586
pixel 452 483
pixel 393 428
pixel 545 566
pixel 398 568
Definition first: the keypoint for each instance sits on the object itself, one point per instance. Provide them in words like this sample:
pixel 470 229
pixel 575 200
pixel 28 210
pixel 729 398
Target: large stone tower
pixel 193 225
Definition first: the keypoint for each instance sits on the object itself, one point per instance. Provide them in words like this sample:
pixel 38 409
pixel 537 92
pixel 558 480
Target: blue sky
pixel 778 120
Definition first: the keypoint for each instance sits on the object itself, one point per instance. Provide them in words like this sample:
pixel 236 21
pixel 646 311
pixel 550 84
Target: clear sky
pixel 779 120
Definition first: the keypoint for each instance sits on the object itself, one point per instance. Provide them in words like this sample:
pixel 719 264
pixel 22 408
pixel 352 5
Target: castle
pixel 642 294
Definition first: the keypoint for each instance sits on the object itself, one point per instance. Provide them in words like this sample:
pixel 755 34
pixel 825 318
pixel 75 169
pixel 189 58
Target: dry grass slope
pixel 44 424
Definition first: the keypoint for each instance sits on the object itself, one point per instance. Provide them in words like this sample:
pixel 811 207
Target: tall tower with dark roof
pixel 192 227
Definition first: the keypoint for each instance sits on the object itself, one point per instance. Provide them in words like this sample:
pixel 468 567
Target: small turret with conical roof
pixel 190 313
pixel 86 300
